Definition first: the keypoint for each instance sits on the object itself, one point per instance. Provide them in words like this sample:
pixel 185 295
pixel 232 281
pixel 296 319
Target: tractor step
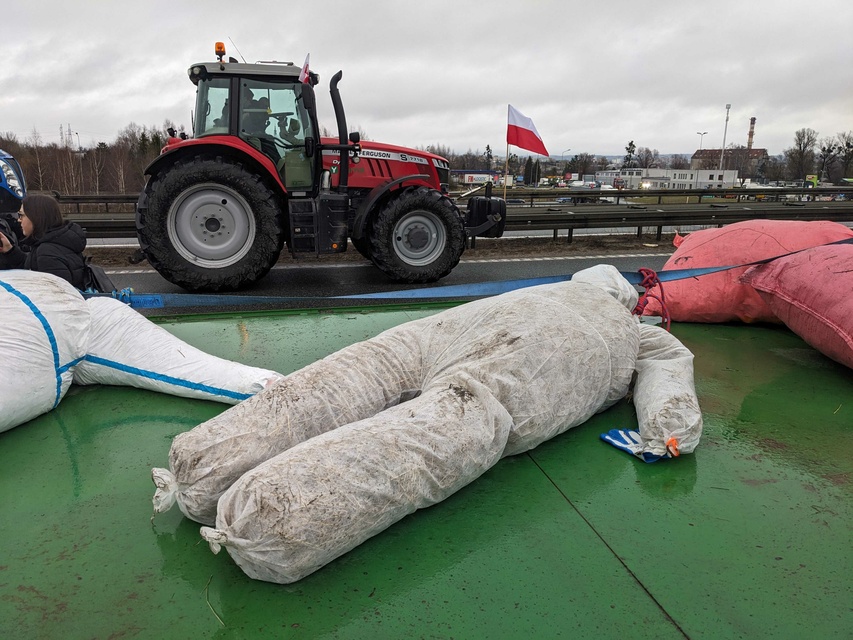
pixel 319 226
pixel 303 226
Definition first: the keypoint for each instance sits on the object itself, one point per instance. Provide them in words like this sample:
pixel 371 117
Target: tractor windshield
pixel 274 120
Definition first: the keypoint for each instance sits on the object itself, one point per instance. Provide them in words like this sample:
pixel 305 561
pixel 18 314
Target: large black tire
pixel 210 225
pixel 417 236
pixel 362 245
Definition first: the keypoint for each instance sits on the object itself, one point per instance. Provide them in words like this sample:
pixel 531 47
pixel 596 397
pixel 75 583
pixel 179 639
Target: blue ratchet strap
pixel 682 274
pixel 474 290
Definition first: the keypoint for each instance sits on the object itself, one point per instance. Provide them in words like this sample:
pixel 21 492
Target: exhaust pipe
pixel 343 176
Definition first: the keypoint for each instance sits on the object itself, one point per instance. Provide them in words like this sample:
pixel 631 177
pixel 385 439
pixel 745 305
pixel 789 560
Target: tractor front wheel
pixel 417 236
pixel 210 225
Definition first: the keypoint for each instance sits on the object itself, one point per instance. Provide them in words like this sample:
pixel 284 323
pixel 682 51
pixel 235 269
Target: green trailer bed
pixel 750 537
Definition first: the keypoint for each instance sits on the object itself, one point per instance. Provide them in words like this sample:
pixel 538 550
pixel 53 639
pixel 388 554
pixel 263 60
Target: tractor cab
pixel 264 105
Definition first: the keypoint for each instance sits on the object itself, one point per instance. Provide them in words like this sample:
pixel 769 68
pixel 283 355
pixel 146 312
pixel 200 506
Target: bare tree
pixel 845 152
pixel 96 159
pixel 801 157
pixel 679 161
pixel 36 171
pixel 584 163
pixel 648 157
pixel 827 163
pixel 737 158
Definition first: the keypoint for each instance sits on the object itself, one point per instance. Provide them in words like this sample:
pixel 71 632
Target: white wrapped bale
pixel 44 333
pixel 552 356
pixel 127 349
pixel 325 395
pixel 300 510
pixel 668 411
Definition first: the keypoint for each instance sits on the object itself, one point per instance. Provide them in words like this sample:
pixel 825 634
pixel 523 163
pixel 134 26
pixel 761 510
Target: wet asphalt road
pixel 308 284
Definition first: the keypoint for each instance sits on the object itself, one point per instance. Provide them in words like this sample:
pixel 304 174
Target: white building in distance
pixel 654 178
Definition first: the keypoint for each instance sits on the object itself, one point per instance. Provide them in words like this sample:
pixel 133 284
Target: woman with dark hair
pixel 50 244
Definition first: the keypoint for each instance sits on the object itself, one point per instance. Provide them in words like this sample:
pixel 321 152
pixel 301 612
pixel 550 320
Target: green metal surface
pixel 747 538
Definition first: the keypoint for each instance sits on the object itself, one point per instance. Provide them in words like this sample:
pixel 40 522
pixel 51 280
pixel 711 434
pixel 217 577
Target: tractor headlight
pixel 12 179
pixel 442 168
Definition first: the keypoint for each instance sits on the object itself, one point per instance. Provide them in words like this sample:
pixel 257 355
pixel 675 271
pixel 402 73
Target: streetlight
pixel 701 135
pixel 79 154
pixel 563 159
pixel 725 130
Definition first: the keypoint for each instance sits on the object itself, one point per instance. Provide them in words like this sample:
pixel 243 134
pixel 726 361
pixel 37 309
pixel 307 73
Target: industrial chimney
pixel 751 133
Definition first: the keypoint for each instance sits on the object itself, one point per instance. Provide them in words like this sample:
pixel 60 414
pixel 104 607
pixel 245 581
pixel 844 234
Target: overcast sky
pixel 591 75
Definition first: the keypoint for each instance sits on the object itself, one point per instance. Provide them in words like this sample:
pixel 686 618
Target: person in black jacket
pixel 50 244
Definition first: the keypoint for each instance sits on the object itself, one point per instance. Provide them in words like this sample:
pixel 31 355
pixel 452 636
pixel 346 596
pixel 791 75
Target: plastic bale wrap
pixel 542 359
pixel 305 507
pixel 127 349
pixel 44 332
pixel 327 394
pixel 720 297
pixel 812 293
pixel 552 356
pixel 668 411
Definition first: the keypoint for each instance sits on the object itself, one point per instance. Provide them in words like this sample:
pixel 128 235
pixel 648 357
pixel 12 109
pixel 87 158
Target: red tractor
pixel 219 207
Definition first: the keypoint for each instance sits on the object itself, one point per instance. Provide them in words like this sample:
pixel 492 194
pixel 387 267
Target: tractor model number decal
pixel 386 155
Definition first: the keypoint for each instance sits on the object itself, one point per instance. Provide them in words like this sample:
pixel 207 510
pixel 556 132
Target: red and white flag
pixel 303 75
pixel 521 132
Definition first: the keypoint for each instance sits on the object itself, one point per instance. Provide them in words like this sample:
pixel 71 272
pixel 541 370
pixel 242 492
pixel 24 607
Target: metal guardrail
pixel 659 216
pixel 103 215
pixel 113 215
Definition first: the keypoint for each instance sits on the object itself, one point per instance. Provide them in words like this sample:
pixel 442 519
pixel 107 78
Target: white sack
pixel 302 509
pixel 664 394
pixel 552 356
pixel 43 333
pixel 127 349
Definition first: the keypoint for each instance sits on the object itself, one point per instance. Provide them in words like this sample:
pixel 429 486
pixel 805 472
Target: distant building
pixel 653 178
pixel 747 162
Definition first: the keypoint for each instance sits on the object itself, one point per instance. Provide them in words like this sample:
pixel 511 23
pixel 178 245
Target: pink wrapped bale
pixel 812 293
pixel 721 297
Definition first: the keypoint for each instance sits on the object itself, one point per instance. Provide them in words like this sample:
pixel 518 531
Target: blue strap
pixel 162 377
pixel 473 290
pixel 51 337
pixel 681 274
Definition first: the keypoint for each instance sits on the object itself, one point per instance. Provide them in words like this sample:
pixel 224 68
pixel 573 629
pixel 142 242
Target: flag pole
pixel 506 168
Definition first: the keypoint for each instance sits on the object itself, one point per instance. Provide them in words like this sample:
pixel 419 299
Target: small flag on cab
pixel 303 75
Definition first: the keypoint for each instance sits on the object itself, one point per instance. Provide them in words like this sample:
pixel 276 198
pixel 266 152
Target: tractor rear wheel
pixel 210 225
pixel 417 236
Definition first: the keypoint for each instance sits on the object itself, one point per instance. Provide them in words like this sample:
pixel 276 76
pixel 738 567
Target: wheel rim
pixel 211 225
pixel 419 238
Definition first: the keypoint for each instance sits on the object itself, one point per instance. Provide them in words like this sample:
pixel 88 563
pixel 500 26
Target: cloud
pixel 592 77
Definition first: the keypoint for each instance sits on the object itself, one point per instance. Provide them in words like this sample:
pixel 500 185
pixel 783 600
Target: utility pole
pixel 725 131
pixel 701 135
